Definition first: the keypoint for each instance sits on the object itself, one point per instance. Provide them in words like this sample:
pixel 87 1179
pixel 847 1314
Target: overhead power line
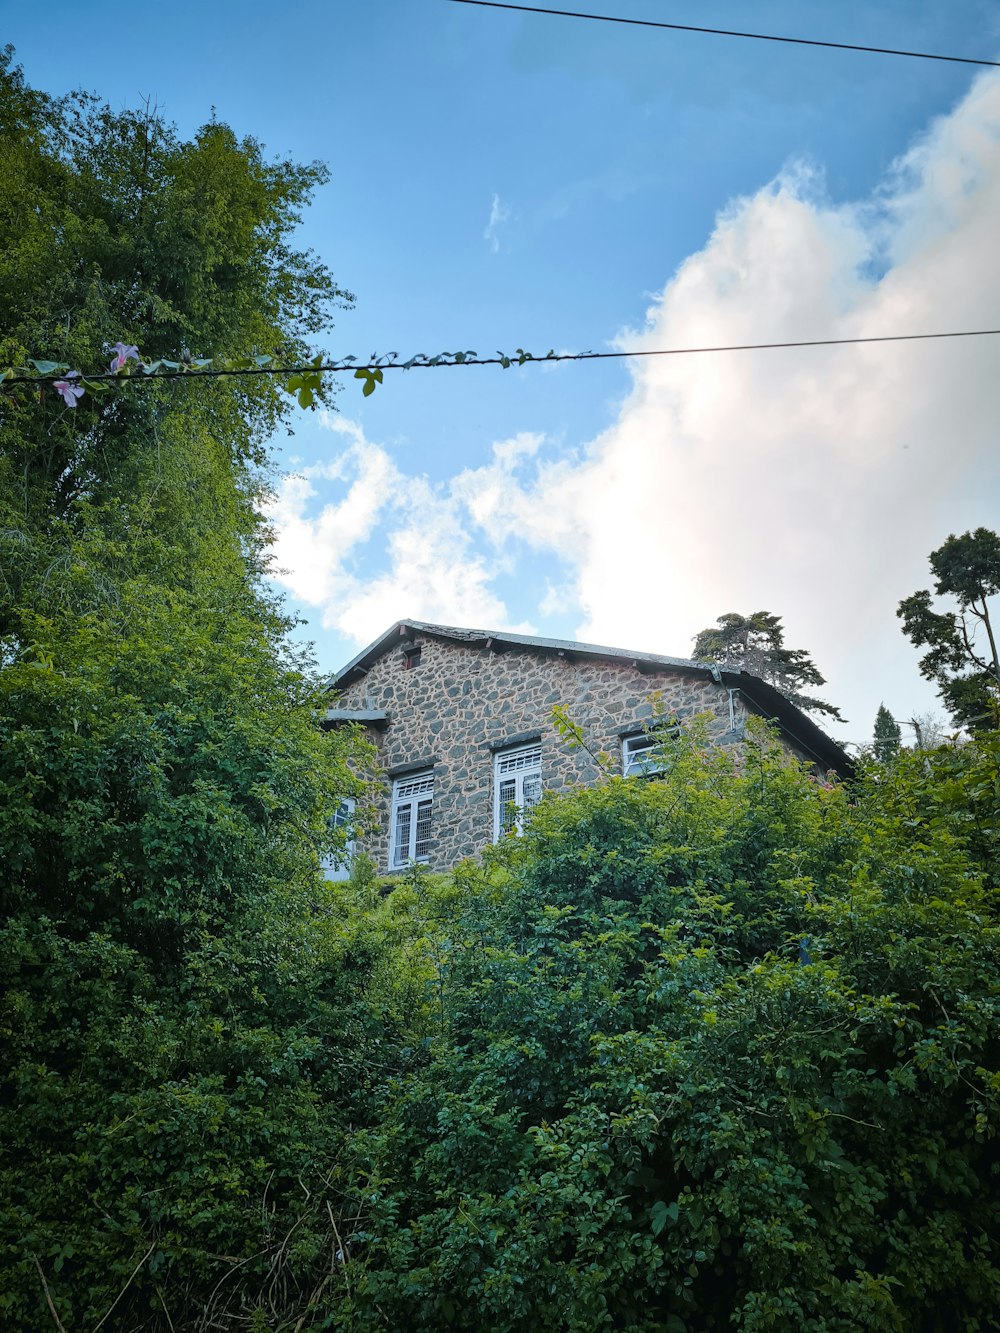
pixel 421 362
pixel 729 32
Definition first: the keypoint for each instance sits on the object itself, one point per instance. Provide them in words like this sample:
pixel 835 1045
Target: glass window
pixel 410 829
pixel 338 865
pixel 642 755
pixel 517 786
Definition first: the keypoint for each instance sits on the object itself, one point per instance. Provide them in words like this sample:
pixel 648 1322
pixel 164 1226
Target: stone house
pixel 462 720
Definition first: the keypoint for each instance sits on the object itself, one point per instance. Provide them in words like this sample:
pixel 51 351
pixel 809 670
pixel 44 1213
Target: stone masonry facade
pixel 460 704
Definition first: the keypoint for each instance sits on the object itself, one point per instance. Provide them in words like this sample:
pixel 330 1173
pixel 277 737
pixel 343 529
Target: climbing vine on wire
pixel 302 381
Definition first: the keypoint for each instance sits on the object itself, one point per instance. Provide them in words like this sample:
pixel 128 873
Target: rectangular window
pixel 338 866
pixel 642 755
pixel 517 786
pixel 410 829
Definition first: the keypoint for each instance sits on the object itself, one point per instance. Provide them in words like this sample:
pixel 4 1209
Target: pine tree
pixel 887 735
pixel 756 644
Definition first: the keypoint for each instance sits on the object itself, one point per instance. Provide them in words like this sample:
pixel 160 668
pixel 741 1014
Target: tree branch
pixel 48 1300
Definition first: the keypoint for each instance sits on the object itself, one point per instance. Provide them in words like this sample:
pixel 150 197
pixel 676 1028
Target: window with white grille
pixel 410 830
pixel 517 786
pixel 642 755
pixel 338 866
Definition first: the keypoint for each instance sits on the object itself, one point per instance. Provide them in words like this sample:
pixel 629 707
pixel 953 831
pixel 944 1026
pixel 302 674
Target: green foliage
pixel 887 735
pixel 183 1017
pixel 966 670
pixel 714 1051
pixel 113 229
pixel 756 644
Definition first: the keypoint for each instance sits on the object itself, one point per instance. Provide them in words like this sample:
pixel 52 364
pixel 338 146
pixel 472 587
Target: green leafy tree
pixel 887 735
pixel 116 232
pixel 756 644
pixel 186 1037
pixel 962 657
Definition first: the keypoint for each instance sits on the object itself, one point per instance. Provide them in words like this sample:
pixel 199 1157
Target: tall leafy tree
pixel 756 643
pixel 184 1039
pixel 115 230
pixel 887 735
pixel 963 658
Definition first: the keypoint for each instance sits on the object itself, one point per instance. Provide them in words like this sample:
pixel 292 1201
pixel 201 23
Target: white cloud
pixel 809 482
pixel 421 561
pixel 499 214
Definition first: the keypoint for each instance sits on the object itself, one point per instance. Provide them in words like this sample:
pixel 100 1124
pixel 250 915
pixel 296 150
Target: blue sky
pixel 503 180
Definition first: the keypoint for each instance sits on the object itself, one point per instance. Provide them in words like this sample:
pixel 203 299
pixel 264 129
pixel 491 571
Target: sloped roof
pixel 758 694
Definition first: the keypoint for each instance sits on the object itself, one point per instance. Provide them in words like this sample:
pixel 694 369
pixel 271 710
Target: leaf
pixel 369 386
pixel 49 367
pixel 305 396
pixel 661 1213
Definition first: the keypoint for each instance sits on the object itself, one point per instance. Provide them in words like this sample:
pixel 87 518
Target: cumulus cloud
pixel 499 214
pixel 389 545
pixel 810 482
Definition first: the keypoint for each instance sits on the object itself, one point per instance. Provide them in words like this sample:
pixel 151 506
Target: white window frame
pixel 337 866
pixel 639 757
pixel 410 818
pixel 515 770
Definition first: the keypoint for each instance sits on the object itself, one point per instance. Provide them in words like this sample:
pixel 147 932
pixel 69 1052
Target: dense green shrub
pixel 713 1051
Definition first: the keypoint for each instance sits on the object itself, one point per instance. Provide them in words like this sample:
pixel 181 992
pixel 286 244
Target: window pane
pixel 531 790
pixel 642 755
pixel 517 760
pixel 401 845
pixel 506 796
pixel 421 850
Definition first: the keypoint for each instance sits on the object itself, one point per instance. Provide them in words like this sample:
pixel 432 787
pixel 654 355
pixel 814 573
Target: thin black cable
pixel 727 32
pixel 340 367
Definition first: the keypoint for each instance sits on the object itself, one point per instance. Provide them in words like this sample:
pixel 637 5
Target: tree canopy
pixel 756 643
pixel 962 658
pixel 182 1035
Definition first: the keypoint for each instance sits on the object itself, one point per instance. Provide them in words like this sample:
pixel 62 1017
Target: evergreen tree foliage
pixel 887 735
pixel 756 644
pixel 963 658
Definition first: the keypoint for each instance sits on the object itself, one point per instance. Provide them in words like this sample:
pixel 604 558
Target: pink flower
pixel 123 352
pixel 70 393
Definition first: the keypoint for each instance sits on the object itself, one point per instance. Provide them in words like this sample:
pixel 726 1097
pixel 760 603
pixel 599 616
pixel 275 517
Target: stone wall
pixel 462 702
